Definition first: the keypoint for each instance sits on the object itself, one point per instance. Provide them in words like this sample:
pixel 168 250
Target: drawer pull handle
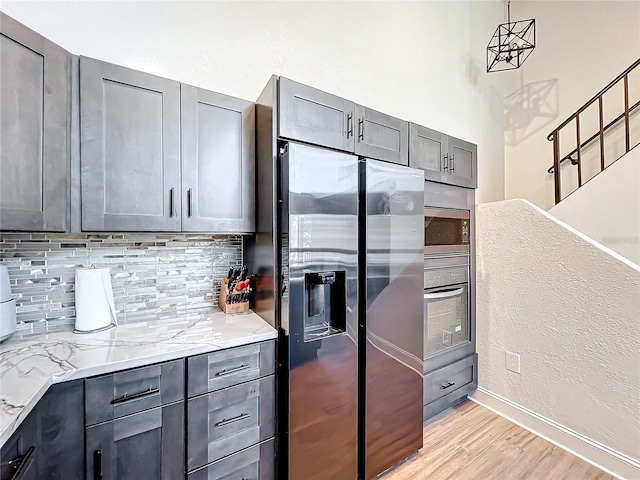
pixel 232 370
pixel 225 421
pixel 134 396
pixel 97 464
pixel 22 464
pixel 449 384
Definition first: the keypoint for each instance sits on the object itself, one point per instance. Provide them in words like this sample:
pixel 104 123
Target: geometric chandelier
pixel 511 44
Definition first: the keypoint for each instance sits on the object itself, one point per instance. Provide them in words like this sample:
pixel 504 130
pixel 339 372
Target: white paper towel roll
pixel 95 309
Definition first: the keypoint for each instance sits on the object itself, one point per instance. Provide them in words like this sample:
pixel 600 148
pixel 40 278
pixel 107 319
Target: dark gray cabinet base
pixel 447 385
pixel 255 463
pixel 144 446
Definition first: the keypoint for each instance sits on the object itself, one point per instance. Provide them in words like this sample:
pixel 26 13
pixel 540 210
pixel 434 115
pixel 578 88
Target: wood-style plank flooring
pixel 470 442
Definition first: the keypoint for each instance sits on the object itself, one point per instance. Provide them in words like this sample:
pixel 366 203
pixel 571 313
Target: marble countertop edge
pixel 29 366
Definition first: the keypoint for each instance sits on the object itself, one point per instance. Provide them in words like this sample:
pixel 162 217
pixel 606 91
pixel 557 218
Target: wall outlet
pixel 513 362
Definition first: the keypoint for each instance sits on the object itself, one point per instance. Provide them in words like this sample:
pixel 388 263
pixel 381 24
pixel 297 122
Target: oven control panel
pixel 438 277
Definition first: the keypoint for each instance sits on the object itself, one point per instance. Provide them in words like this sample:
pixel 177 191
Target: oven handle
pixel 443 294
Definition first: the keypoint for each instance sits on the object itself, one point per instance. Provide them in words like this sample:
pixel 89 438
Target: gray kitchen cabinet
pixel 231 413
pixel 313 116
pixel 446 385
pixel 129 149
pixel 148 445
pixel 255 463
pixel 49 444
pixel 229 420
pixel 18 457
pixel 119 394
pixel 34 130
pixel 213 371
pixel 463 163
pixel 381 136
pixel 443 158
pixel 218 193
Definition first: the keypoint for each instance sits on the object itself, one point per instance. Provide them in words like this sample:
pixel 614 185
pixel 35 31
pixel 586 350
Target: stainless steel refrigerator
pixel 348 236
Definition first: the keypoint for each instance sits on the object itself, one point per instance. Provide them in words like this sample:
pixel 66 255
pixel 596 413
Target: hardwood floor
pixel 470 442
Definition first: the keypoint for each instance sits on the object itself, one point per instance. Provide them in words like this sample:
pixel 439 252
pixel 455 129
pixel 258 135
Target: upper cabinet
pixel 381 136
pixel 443 158
pixel 160 156
pixel 129 149
pixel 313 116
pixel 217 162
pixel 34 130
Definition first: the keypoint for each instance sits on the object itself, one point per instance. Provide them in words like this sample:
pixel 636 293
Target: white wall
pixel 571 310
pixel 581 46
pixel 421 61
pixel 607 208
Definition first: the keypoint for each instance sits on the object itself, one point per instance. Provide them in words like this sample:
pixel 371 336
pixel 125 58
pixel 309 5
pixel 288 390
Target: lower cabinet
pixel 255 463
pixel 19 454
pixel 447 385
pixel 49 444
pixel 228 420
pixel 146 445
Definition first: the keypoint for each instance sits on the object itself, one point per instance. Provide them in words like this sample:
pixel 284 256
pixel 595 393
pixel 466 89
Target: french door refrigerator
pixel 350 316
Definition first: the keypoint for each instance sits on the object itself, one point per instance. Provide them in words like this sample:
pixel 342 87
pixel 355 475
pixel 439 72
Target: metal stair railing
pixel 555 134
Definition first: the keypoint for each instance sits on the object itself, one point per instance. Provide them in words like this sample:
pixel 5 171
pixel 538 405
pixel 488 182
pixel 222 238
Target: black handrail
pixel 593 137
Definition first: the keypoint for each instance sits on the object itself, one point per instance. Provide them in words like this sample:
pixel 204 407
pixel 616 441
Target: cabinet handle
pixel 445 166
pixel 189 203
pixel 126 398
pixel 171 192
pixel 97 465
pixel 350 125
pixel 451 167
pixel 232 370
pixel 21 465
pixel 361 129
pixel 449 384
pixel 223 422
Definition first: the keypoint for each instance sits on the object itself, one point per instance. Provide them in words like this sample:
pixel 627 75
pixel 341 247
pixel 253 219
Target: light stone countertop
pixel 30 364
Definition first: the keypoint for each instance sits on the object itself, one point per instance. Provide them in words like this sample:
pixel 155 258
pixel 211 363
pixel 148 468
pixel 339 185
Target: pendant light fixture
pixel 511 44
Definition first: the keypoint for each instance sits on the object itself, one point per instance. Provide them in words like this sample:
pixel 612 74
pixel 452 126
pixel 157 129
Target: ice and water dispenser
pixel 325 309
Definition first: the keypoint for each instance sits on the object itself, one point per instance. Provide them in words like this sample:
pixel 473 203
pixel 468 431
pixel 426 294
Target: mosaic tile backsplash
pixel 153 275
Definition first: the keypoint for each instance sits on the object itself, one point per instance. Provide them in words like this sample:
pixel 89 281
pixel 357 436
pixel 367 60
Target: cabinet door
pixel 218 191
pixel 34 130
pixel 381 137
pixel 18 457
pixel 60 417
pixel 313 116
pixel 129 149
pixel 463 163
pixel 143 446
pixel 427 151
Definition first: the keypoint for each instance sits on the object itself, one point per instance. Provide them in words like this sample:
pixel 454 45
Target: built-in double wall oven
pixel 448 274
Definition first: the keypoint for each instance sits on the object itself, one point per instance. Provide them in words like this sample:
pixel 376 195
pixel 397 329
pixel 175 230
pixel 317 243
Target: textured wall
pixel 152 275
pixel 607 208
pixel 420 61
pixel 581 46
pixel 572 312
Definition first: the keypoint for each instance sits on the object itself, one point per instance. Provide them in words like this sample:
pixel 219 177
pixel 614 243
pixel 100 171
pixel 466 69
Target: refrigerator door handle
pixel 443 294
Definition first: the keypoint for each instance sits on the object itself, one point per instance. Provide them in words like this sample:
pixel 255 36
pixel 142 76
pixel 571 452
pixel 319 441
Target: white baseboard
pixel 611 461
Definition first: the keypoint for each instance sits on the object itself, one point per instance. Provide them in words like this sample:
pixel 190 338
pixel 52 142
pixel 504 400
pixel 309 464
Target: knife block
pixel 230 307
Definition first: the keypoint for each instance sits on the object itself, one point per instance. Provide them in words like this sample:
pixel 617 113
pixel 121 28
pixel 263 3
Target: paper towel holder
pixel 93 290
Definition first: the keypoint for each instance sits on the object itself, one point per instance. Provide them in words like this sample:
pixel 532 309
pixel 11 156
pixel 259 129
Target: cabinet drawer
pixel 118 394
pixel 447 381
pixel 213 371
pixel 229 420
pixel 255 463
